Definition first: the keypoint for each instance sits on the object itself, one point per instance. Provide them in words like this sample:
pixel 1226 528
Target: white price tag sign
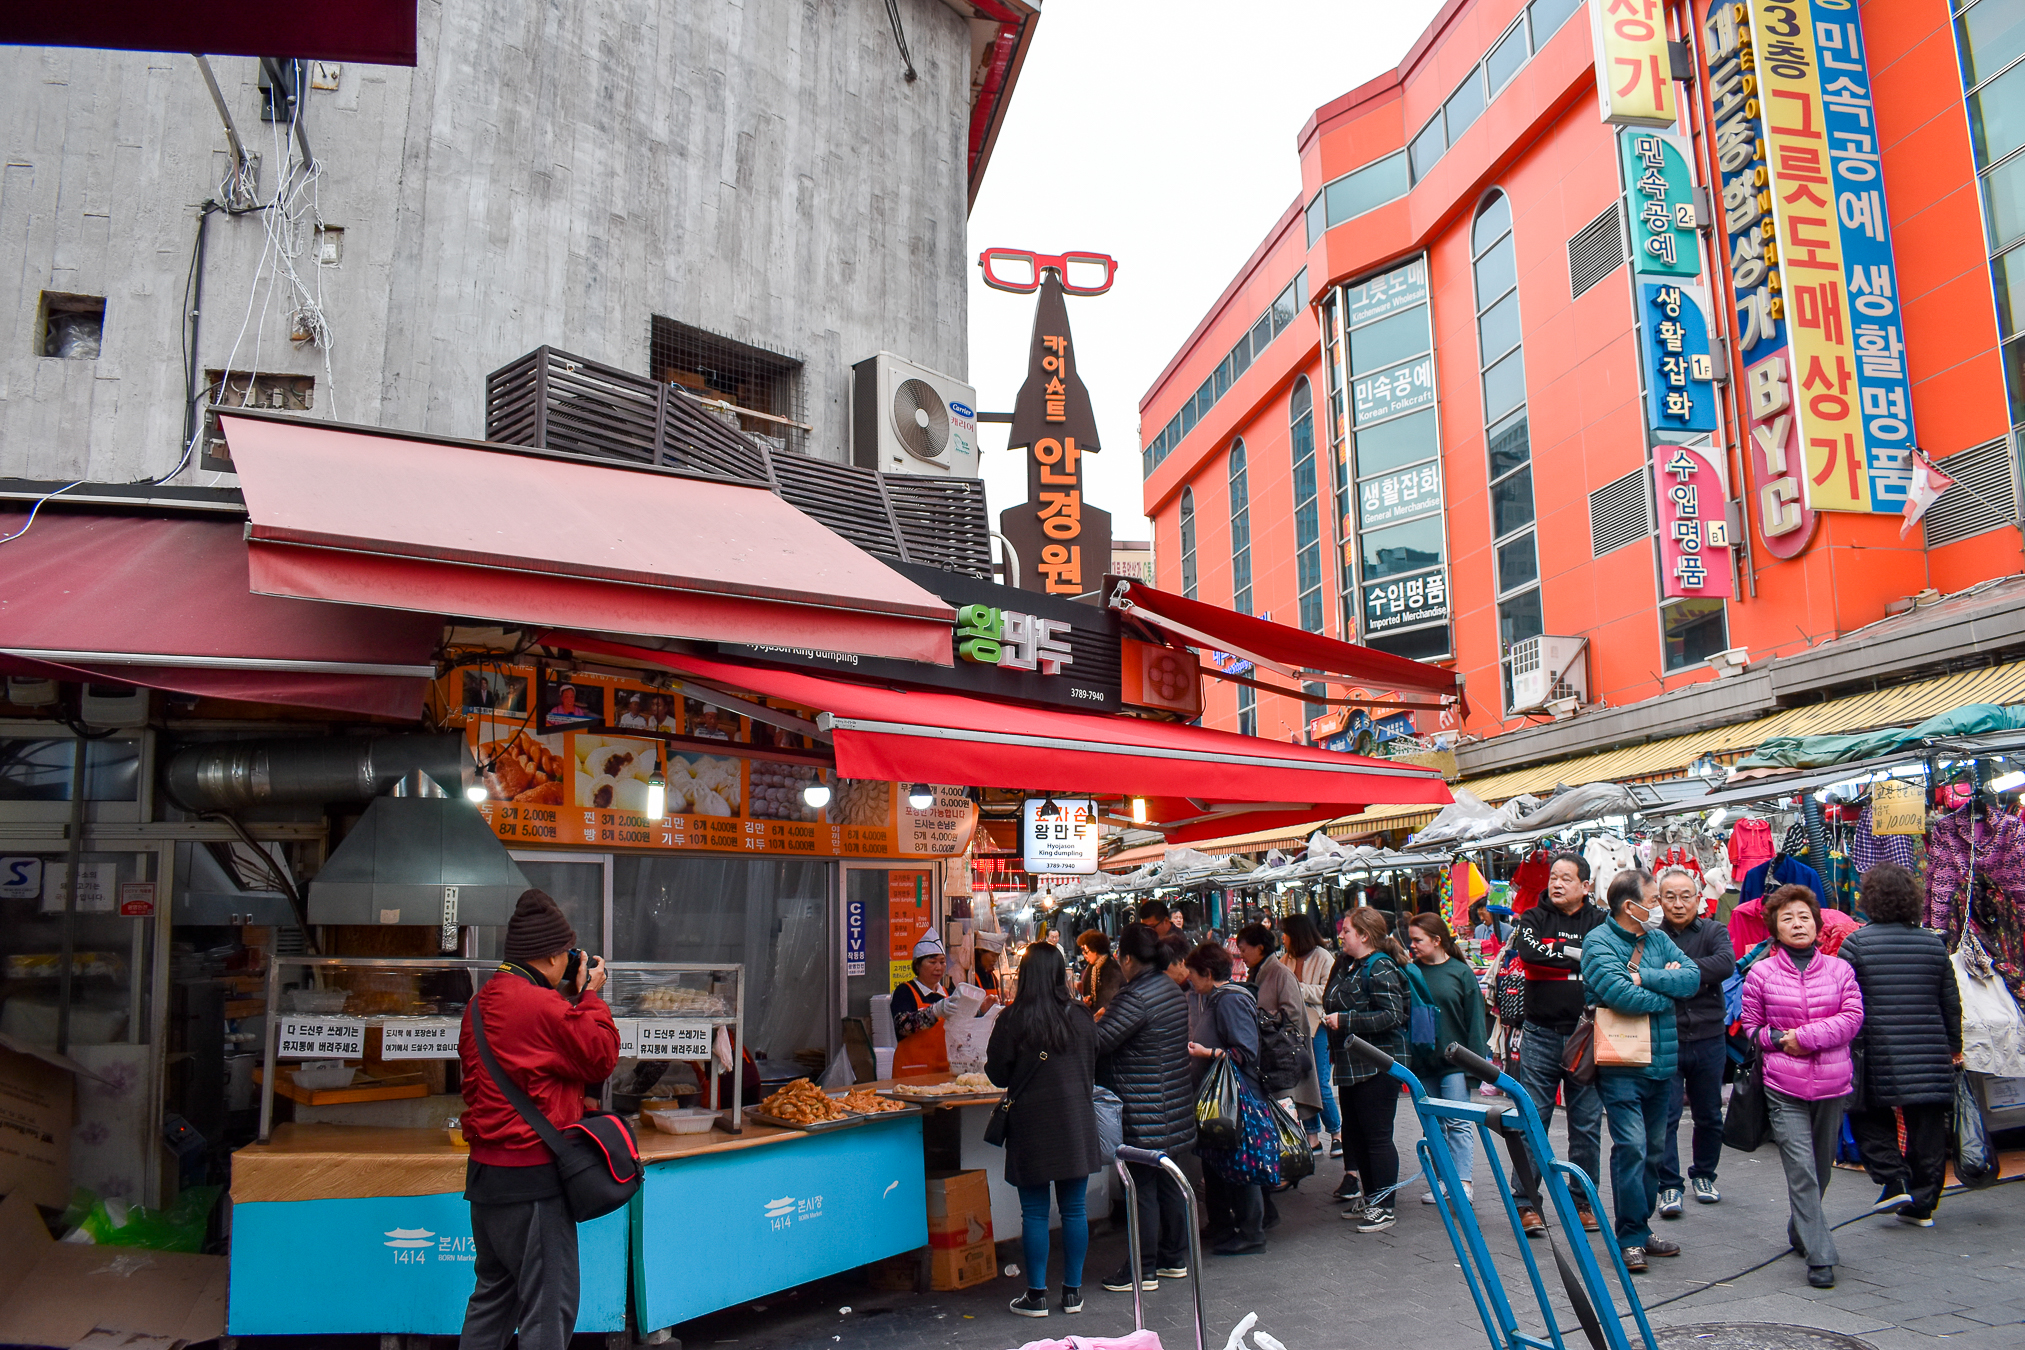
pixel 629 1036
pixel 322 1038
pixel 419 1038
pixel 665 1038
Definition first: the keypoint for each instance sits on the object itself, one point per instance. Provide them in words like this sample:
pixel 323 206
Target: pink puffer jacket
pixel 1823 1004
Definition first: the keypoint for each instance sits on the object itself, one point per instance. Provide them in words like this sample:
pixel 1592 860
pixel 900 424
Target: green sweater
pixel 1460 1015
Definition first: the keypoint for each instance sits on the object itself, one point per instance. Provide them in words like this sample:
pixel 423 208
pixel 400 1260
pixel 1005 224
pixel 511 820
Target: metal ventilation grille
pixel 1619 514
pixel 1984 496
pixel 1595 252
pixel 942 521
pixel 848 499
pixel 920 419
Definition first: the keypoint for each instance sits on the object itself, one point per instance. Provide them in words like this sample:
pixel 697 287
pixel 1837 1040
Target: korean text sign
pixel 1694 536
pixel 1679 368
pixel 1662 206
pixel 1852 401
pixel 1063 841
pixel 1634 74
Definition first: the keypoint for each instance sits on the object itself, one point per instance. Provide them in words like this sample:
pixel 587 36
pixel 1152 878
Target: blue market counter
pixel 343 1229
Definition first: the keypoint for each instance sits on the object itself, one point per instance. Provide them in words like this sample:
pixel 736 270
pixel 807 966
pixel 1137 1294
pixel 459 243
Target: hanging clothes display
pixel 1785 870
pixel 1750 844
pixel 1868 849
pixel 1530 880
pixel 1976 876
pixel 1607 855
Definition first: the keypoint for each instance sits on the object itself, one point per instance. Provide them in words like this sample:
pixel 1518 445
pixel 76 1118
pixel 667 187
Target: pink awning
pixel 529 538
pixel 162 602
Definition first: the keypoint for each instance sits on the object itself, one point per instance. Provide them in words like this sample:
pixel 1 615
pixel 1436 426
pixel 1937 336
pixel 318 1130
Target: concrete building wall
pixel 545 174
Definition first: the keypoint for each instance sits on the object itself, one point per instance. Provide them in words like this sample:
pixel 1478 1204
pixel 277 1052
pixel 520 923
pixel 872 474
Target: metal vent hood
pixel 418 856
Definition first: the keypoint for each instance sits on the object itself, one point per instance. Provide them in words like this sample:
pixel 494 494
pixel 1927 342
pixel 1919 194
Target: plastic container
pixel 682 1119
pixel 882 1062
pixel 882 1022
pixel 322 1074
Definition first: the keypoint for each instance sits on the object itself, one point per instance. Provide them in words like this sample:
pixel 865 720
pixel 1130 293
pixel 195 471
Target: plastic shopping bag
pixel 1993 1030
pixel 1297 1160
pixel 1110 1120
pixel 1975 1160
pixel 967 1039
pixel 1254 1158
pixel 1217 1118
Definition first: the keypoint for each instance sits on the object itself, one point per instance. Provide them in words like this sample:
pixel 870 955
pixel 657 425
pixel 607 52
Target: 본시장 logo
pixel 410 1237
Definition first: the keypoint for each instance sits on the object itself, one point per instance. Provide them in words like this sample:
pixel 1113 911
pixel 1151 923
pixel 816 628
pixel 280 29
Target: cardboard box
pixel 59 1293
pixel 961 1267
pixel 37 1099
pixel 959 1210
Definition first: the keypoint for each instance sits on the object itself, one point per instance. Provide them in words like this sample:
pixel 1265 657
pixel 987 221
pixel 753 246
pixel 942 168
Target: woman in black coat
pixel 1142 1041
pixel 1911 1041
pixel 1043 1050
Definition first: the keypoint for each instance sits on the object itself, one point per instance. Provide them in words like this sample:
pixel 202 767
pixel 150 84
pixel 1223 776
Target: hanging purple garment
pixel 1867 850
pixel 1997 846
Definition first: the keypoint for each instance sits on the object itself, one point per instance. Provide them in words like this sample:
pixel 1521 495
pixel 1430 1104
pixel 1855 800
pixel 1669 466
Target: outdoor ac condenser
pixel 909 419
pixel 1545 669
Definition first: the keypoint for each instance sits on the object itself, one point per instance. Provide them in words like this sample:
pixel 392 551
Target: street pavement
pixel 1322 1284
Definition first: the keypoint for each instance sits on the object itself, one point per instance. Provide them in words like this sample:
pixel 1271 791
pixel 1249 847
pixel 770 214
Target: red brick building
pixel 1434 412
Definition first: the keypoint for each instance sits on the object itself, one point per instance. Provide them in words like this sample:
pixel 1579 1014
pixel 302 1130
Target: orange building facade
pixel 1440 410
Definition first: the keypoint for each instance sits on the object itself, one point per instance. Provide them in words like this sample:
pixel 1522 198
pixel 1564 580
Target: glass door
pixel 581 886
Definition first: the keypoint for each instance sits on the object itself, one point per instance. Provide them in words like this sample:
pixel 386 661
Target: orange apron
pixel 923 1052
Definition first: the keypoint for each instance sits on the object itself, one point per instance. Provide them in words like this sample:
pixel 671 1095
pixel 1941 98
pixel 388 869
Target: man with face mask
pixel 1630 965
pixel 1699 1024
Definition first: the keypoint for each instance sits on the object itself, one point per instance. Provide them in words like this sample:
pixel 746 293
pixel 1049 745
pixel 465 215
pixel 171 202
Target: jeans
pixel 1460 1134
pixel 1807 1133
pixel 1368 1150
pixel 1698 1085
pixel 1163 1218
pixel 526 1276
pixel 1919 1170
pixel 1331 1118
pixel 1636 1107
pixel 1236 1212
pixel 1069 1198
pixel 1541 1072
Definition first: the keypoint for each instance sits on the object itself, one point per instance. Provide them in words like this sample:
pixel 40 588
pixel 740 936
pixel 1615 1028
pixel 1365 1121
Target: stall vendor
pixel 918 1009
pixel 987 949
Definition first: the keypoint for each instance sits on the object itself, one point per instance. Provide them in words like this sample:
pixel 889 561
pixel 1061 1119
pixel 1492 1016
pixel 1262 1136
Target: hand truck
pixel 1151 1158
pixel 1587 1291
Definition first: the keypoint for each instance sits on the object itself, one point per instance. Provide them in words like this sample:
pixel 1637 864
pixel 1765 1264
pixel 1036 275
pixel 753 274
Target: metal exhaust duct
pixel 418 856
pixel 233 775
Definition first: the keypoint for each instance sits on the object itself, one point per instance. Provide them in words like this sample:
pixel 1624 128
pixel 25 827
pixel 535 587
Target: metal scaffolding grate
pixel 751 389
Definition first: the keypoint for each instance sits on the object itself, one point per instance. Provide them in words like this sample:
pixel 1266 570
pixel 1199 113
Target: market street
pixel 1321 1284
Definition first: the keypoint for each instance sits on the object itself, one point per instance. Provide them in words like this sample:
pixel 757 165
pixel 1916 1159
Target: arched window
pixel 1188 542
pixel 1241 573
pixel 1307 509
pixel 1502 362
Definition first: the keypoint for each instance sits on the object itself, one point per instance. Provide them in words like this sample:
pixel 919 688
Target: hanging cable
pixel 900 38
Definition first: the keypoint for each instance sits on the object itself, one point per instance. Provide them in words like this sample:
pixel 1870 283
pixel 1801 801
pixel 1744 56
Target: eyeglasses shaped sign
pixel 1020 271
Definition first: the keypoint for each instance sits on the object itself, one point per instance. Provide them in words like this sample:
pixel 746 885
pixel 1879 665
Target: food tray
pixel 977 1098
pixel 813 1127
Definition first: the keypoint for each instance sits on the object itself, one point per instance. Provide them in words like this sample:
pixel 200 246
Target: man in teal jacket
pixel 1629 965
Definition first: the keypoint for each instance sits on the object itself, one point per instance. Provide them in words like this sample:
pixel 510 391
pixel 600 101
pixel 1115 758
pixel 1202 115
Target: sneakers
pixel 1172 1272
pixel 1661 1247
pixel 1376 1219
pixel 1349 1188
pixel 1530 1220
pixel 1669 1203
pixel 1634 1260
pixel 1335 1145
pixel 1469 1192
pixel 1890 1200
pixel 1705 1190
pixel 1121 1283
pixel 1072 1298
pixel 1033 1303
pixel 1913 1220
pixel 1821 1277
pixel 1588 1217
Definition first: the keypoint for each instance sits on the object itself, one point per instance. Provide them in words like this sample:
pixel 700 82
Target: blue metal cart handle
pixel 1368 1052
pixel 1464 1058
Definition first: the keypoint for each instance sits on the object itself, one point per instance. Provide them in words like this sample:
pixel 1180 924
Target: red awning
pixel 381 32
pixel 528 538
pixel 162 602
pixel 1199 783
pixel 1292 652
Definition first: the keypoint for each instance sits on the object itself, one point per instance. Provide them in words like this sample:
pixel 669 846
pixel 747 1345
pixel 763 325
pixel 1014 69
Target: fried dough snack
pixel 803 1103
pixel 866 1102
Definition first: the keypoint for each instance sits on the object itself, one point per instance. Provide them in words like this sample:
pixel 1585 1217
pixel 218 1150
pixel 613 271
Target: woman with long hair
pixel 1043 1051
pixel 1311 962
pixel 1459 1009
pixel 1367 998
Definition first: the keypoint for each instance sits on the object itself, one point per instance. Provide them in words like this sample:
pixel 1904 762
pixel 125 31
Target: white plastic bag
pixel 1993 1028
pixel 967 1037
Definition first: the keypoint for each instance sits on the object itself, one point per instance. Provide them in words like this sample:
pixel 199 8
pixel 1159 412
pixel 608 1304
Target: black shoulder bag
pixel 596 1158
pixel 1001 1115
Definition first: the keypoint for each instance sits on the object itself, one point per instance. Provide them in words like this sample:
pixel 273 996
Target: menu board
pixel 909 918
pixel 591 788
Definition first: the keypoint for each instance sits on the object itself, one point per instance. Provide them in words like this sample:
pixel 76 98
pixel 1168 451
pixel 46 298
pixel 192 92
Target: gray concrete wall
pixel 546 174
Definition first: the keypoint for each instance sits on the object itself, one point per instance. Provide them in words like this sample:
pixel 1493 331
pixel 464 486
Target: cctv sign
pixel 1060 835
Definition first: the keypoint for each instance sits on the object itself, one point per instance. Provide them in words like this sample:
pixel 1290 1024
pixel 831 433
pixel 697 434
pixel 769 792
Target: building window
pixel 1240 533
pixel 1307 508
pixel 1378 352
pixel 1188 542
pixel 1692 631
pixel 1249 348
pixel 1501 359
pixel 758 390
pixel 1990 40
pixel 1311 711
pixel 1248 710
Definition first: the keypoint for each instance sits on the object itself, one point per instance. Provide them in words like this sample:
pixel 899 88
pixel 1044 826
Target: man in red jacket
pixel 553 1036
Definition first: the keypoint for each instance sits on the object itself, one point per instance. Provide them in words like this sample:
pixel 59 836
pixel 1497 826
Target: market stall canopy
pixel 381 32
pixel 162 602
pixel 1198 783
pixel 1293 652
pixel 523 537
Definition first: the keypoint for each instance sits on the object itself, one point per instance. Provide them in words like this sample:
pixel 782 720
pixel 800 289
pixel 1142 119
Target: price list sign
pixel 321 1038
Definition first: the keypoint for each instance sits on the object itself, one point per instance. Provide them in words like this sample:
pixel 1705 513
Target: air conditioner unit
pixel 909 419
pixel 1547 669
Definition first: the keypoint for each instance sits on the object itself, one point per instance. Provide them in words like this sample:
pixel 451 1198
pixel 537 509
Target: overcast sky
pixel 1164 137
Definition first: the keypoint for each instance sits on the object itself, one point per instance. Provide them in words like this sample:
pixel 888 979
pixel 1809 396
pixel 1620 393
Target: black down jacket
pixel 1142 1048
pixel 1912 1013
pixel 1051 1132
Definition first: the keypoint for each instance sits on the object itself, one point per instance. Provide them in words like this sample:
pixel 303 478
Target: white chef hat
pixel 929 946
pixel 990 942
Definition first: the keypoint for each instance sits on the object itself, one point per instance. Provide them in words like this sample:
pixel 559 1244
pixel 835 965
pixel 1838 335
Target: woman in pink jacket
pixel 1802 1008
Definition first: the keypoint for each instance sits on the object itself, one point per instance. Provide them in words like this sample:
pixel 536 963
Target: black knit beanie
pixel 537 928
